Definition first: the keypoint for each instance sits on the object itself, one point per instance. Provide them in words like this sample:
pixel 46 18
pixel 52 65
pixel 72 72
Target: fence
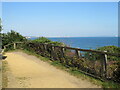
pixel 94 63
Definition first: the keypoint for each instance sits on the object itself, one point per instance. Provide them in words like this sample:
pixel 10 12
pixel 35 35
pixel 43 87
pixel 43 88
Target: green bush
pixel 46 40
pixel 111 49
pixel 116 73
pixel 11 37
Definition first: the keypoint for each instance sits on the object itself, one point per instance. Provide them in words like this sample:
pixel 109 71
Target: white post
pixel 14 45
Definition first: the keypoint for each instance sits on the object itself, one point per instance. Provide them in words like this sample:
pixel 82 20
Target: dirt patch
pixel 27 71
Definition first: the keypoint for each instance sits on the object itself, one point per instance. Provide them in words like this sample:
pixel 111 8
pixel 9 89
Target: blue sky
pixel 61 19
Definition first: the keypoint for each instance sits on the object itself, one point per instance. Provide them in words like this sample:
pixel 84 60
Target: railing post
pixel 3 50
pixel 77 53
pixel 44 46
pixel 62 51
pixel 14 45
pixel 62 54
pixel 52 52
pixel 104 66
pixel 45 49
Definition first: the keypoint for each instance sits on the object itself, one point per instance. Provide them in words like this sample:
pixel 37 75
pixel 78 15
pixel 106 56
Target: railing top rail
pixel 94 51
pixel 12 43
pixel 85 50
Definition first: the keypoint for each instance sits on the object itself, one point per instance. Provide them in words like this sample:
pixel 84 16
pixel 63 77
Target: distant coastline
pixel 67 37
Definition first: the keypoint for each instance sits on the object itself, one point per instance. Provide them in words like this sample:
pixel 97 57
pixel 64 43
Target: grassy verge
pixel 4 74
pixel 0 74
pixel 75 72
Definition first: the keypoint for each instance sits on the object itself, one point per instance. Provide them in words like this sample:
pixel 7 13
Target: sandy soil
pixel 27 71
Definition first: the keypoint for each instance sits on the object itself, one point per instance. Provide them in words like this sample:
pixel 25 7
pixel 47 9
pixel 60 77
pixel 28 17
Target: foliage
pixel 0 25
pixel 117 73
pixel 113 62
pixel 42 40
pixel 46 40
pixel 11 37
pixel 0 33
pixel 110 49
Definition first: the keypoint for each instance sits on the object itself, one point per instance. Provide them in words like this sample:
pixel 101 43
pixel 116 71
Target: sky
pixel 0 9
pixel 61 19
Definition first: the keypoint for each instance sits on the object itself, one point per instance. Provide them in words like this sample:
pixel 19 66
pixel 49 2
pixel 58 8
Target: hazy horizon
pixel 70 37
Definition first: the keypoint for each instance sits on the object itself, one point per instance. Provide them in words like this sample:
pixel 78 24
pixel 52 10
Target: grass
pixel 0 74
pixel 74 71
pixel 4 74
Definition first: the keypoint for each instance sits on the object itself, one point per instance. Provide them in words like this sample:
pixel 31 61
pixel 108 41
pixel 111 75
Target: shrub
pixel 116 73
pixel 11 37
pixel 46 40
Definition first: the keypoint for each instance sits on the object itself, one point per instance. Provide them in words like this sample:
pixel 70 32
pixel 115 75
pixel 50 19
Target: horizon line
pixel 69 36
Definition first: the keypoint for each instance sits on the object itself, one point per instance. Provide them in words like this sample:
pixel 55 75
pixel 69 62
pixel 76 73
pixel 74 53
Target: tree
pixel 0 25
pixel 46 40
pixel 11 37
pixel 0 42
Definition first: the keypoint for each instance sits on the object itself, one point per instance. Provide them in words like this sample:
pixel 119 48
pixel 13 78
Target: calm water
pixel 87 42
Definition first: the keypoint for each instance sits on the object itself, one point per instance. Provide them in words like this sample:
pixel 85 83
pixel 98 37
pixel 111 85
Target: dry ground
pixel 27 71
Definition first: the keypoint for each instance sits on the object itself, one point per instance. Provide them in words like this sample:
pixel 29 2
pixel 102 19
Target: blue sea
pixel 87 42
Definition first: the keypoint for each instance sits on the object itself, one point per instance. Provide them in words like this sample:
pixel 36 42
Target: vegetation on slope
pixel 0 25
pixel 113 60
pixel 46 40
pixel 11 37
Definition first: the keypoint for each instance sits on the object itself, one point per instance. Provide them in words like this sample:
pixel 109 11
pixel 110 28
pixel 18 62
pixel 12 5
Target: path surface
pixel 28 71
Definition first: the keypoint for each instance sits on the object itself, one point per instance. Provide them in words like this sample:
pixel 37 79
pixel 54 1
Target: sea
pixel 86 42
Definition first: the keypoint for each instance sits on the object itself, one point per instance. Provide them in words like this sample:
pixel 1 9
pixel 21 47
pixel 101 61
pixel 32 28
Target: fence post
pixel 14 45
pixel 44 46
pixel 3 50
pixel 77 53
pixel 52 52
pixel 62 51
pixel 104 66
pixel 45 49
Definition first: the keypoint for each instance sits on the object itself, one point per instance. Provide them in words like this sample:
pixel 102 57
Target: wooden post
pixel 62 54
pixel 45 49
pixel 104 66
pixel 4 47
pixel 14 45
pixel 105 62
pixel 52 52
pixel 3 50
pixel 44 46
pixel 77 53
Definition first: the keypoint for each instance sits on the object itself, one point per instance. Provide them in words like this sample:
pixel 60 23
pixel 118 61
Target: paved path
pixel 28 71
